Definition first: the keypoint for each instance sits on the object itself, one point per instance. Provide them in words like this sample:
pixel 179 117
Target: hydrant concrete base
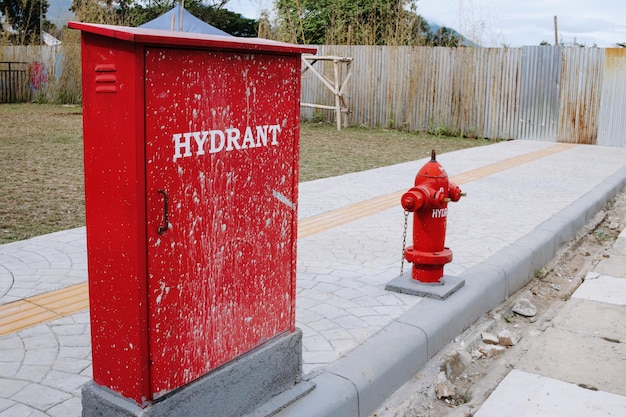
pixel 406 285
pixel 257 384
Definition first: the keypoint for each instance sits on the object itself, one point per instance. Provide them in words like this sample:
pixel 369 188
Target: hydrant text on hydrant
pixel 439 213
pixel 213 141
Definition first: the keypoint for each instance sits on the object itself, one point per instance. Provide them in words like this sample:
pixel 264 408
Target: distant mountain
pixel 434 27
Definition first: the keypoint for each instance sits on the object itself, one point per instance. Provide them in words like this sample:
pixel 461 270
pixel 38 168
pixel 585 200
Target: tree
pixel 135 13
pixel 216 15
pixel 265 26
pixel 359 22
pixel 621 44
pixel 26 17
pixel 97 11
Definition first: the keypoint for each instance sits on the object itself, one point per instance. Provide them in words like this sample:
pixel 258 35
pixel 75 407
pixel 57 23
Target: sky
pixel 511 22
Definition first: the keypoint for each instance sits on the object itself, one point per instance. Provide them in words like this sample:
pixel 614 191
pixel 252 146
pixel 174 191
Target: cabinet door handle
pixel 166 224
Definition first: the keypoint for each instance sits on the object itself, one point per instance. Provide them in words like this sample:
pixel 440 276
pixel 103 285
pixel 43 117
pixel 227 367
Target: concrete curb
pixel 360 381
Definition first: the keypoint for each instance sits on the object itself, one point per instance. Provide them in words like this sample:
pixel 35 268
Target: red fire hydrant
pixel 428 200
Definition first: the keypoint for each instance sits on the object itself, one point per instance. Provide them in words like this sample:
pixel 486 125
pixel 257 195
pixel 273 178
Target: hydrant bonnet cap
pixel 432 169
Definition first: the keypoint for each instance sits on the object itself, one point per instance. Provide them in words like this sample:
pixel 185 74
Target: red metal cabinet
pixel 191 158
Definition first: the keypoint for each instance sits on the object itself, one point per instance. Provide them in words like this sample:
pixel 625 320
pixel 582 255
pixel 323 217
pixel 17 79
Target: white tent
pixel 180 20
pixel 50 40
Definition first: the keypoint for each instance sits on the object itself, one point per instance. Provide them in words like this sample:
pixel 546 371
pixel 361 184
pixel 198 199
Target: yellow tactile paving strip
pixel 52 305
pixel 328 220
pixel 21 314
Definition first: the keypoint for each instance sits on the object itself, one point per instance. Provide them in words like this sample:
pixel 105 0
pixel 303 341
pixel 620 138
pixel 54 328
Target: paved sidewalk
pixel 577 367
pixel 524 200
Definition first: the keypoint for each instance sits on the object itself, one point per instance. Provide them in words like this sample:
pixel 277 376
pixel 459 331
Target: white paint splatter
pixel 283 199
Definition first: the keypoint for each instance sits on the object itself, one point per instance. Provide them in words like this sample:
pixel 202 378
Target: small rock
pixel 489 338
pixel 491 351
pixel 455 364
pixel 444 390
pixel 614 225
pixel 477 354
pixel 508 338
pixel 555 287
pixel 525 308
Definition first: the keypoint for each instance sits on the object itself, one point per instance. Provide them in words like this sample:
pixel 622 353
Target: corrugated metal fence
pixel 543 93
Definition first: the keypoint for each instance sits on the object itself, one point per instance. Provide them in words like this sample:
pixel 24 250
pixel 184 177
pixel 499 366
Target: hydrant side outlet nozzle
pixel 455 192
pixel 414 199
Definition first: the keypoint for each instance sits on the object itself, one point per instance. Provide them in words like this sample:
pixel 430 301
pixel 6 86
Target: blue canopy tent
pixel 180 20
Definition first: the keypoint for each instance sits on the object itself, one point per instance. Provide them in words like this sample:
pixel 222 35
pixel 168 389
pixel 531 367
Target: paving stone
pixel 342 345
pixel 34 331
pixel 10 387
pixel 40 396
pixel 43 356
pixel 9 369
pixel 331 312
pixel 5 404
pixel 341 303
pixel 21 410
pixel 593 318
pixel 577 358
pixel 320 357
pixel 12 354
pixel 71 365
pixel 75 352
pixel 32 373
pixel 40 341
pixel 70 408
pixel 75 340
pixel 604 288
pixel 377 321
pixel 315 343
pixel 323 324
pixel 523 394
pixel 64 381
pixel 70 330
pixel 88 372
pixel 362 311
pixel 351 322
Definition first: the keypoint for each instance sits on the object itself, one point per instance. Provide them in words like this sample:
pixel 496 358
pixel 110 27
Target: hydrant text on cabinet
pixel 214 141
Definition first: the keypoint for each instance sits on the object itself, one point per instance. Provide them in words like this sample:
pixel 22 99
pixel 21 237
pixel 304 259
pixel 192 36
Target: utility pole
pixel 556 32
pixel 40 23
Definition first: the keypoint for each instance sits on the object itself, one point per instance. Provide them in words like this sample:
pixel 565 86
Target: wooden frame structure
pixel 336 85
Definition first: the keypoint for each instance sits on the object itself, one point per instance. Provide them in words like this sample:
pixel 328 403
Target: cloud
pixel 528 22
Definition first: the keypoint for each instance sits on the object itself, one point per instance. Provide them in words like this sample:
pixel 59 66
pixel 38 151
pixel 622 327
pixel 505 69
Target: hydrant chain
pixel 406 222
